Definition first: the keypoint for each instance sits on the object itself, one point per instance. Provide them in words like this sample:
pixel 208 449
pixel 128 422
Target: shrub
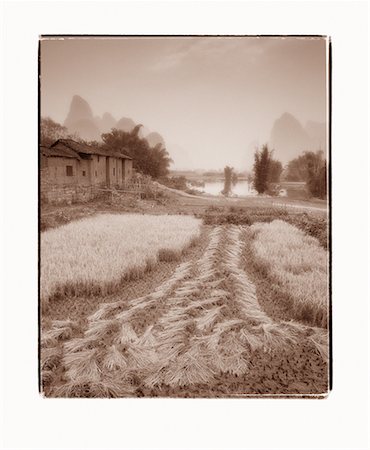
pixel 179 183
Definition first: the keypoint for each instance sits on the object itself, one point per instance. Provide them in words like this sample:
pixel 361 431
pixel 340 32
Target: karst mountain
pixel 289 138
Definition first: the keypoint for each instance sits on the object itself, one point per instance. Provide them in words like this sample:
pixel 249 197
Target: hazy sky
pixel 208 97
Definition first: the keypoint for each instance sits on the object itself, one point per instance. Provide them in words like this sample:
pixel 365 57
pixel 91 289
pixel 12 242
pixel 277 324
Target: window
pixel 84 173
pixel 114 171
pixel 96 173
pixel 69 171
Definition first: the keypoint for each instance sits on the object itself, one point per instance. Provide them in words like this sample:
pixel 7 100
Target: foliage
pixel 193 191
pixel 153 161
pixel 197 183
pixel 179 183
pixel 266 170
pixel 261 167
pixel 229 176
pixel 275 171
pixel 51 131
pixel 311 168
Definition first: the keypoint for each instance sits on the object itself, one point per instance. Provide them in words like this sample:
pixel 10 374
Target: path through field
pixel 201 333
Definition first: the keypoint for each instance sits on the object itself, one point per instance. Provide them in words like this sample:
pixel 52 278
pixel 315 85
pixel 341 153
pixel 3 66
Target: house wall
pixel 119 172
pixel 43 161
pixel 115 172
pixel 51 192
pixel 57 169
pixel 84 172
pixel 98 170
pixel 127 169
pixel 58 187
pixel 111 171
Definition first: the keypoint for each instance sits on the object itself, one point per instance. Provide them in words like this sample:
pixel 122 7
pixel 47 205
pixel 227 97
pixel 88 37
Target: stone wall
pixel 50 192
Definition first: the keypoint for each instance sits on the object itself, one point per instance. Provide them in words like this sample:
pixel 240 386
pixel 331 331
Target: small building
pixel 72 163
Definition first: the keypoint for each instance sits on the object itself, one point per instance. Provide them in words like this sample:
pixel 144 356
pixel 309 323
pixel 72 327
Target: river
pixel 241 188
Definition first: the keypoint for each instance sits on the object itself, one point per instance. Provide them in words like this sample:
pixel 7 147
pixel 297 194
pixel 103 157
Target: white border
pixel 341 421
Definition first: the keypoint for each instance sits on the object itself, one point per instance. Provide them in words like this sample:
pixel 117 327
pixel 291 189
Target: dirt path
pixel 200 333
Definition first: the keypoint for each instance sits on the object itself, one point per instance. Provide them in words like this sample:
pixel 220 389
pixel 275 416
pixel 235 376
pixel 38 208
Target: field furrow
pixel 201 331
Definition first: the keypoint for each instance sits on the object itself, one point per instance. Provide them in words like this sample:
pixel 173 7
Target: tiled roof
pixel 59 150
pixel 87 149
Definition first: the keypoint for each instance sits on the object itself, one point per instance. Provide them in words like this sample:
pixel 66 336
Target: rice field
pixel 299 265
pixel 200 332
pixel 95 254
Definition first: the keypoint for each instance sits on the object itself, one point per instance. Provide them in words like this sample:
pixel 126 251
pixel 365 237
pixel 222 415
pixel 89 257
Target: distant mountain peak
pixel 78 110
pixel 154 139
pixel 125 124
pixel 289 138
pixel 81 121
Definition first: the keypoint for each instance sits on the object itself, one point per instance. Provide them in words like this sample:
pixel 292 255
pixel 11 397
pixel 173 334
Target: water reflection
pixel 241 188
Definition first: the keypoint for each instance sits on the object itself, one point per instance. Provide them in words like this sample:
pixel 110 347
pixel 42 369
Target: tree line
pixel 309 167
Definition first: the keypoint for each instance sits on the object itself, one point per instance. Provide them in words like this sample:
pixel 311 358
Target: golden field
pixel 298 263
pixel 98 252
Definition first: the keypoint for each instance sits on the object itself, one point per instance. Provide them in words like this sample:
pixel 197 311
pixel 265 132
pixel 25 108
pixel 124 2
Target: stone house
pixel 71 171
pixel 71 163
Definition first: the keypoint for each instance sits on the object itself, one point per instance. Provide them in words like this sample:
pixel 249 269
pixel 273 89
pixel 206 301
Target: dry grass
pixel 94 255
pixel 298 264
pixel 207 326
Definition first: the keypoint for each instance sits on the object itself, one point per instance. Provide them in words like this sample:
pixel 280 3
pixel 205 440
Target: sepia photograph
pixel 184 216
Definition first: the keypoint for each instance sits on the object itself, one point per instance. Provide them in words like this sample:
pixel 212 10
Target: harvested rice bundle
pixel 114 359
pixel 147 339
pixel 105 309
pixel 142 358
pixel 205 321
pixel 51 337
pixel 47 377
pixel 82 365
pixel 50 358
pixel 78 344
pixel 126 335
pixel 141 303
pixel 168 351
pixel 188 369
pixel 321 343
pixel 102 328
pixel 90 389
pixel 231 356
pixel 254 340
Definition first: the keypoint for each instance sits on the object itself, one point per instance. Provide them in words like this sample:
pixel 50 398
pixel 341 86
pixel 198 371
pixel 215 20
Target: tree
pixel 275 170
pixel 228 173
pixel 51 131
pixel 262 160
pixel 153 161
pixel 311 168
